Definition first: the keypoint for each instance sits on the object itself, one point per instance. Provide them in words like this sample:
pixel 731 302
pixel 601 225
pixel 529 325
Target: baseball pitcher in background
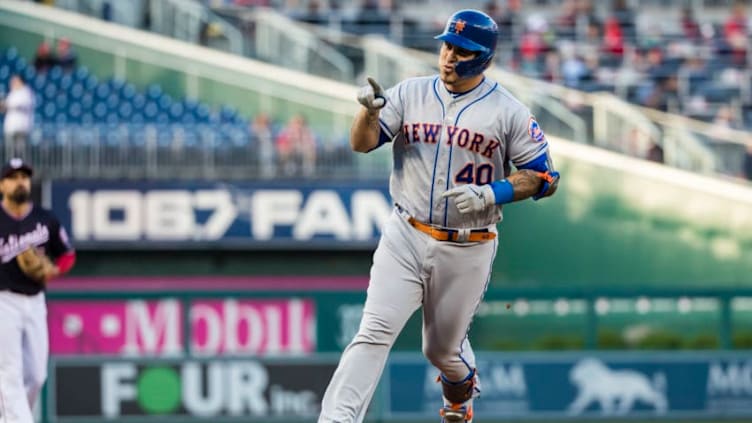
pixel 453 138
pixel 35 249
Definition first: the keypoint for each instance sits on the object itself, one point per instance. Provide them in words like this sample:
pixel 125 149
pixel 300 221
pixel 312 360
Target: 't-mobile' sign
pixel 272 327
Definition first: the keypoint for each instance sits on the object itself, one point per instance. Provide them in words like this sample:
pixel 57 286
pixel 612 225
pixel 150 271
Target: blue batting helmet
pixel 472 30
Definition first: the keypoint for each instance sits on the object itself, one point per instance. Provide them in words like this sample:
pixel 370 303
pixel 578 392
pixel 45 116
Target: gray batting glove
pixel 471 198
pixel 371 96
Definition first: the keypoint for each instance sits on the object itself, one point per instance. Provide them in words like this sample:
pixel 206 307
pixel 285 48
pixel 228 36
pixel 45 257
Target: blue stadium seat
pixel 202 113
pixel 153 92
pixel 91 83
pixel 102 91
pixel 55 73
pixel 188 119
pixel 138 101
pixel 100 111
pixel 49 111
pixel 81 74
pixel 112 101
pixel 150 111
pixel 125 110
pixel 87 101
pixel 137 118
pixel 75 112
pixel 76 91
pixel 162 118
pixel 176 111
pixel 29 73
pixel 39 82
pixel 61 118
pixel 4 73
pixel 116 84
pixel 20 66
pixel 165 101
pixel 65 82
pixel 87 118
pixel 61 101
pixel 50 91
pixel 128 91
pixel 190 105
pixel 11 55
pixel 227 114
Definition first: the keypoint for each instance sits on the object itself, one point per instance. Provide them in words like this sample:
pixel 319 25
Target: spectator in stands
pixel 690 27
pixel 262 139
pixel 66 55
pixel 613 43
pixel 18 107
pixel 534 45
pixel 566 21
pixel 296 148
pixel 655 152
pixel 735 34
pixel 44 59
pixel 624 16
pixel 725 120
pixel 505 18
pixel 748 162
pixel 573 67
pixel 315 13
pixel 586 14
pixel 591 43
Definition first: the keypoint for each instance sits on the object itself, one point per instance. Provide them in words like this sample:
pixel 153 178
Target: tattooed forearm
pixel 364 133
pixel 526 183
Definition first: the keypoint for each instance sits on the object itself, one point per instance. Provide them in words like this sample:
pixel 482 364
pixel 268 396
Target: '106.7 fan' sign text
pixel 244 214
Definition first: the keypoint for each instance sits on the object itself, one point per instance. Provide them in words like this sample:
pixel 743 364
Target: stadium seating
pixel 116 122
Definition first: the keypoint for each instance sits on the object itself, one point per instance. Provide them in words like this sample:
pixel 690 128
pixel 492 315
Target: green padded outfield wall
pixel 619 221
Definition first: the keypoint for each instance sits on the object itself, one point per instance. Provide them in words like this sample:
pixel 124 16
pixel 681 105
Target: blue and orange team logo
pixel 535 131
pixel 459 26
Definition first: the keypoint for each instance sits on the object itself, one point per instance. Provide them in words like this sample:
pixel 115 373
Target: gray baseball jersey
pixel 440 140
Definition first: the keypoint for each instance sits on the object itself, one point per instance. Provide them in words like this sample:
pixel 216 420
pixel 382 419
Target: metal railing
pixel 151 151
pixel 180 19
pixel 281 41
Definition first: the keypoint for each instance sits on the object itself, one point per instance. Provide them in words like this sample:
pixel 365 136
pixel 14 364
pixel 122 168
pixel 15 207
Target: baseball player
pixel 453 138
pixel 34 249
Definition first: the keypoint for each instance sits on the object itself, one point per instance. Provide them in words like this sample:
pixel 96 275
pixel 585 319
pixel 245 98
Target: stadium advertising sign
pixel 584 386
pixel 268 327
pixel 216 390
pixel 129 214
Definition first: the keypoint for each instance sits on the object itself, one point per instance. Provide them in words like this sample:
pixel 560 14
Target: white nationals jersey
pixel 442 140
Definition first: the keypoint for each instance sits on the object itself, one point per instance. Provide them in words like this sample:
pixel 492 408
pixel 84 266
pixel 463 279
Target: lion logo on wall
pixel 616 391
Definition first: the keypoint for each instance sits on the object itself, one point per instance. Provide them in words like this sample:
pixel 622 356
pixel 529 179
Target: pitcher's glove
pixel 35 265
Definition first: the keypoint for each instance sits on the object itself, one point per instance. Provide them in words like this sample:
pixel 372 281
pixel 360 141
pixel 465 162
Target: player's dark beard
pixel 20 196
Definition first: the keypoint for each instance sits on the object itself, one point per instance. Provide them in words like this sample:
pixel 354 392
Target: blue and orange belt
pixel 445 234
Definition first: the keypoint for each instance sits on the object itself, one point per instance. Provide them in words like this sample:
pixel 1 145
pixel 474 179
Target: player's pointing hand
pixel 471 198
pixel 371 96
